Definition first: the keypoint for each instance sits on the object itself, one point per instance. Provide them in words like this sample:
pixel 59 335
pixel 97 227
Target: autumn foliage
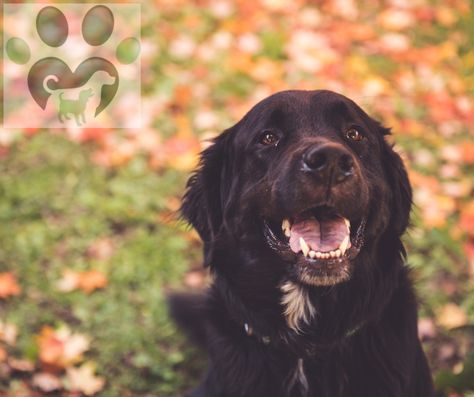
pixel 89 240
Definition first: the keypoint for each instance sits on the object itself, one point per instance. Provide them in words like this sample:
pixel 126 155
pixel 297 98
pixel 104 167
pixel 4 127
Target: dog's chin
pixel 321 273
pixel 318 245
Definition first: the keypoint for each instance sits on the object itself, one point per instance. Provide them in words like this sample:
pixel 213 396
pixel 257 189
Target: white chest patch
pixel 298 379
pixel 298 309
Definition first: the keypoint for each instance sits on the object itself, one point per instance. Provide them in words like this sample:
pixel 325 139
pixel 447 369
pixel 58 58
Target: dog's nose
pixel 329 162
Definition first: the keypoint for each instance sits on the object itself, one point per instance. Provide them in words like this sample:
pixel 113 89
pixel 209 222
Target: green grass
pixel 54 205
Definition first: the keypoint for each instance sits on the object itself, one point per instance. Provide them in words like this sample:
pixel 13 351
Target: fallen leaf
pixel 466 221
pixel 88 281
pixel 21 365
pixel 467 152
pixel 46 382
pixel 68 282
pixel 181 153
pixel 8 333
pixel 3 354
pixel 84 380
pixel 51 348
pixel 451 316
pixel 75 344
pixel 445 15
pixel 60 348
pixel 91 280
pixel 8 285
pixel 101 249
pixel 194 279
pixel 395 19
pixel 426 328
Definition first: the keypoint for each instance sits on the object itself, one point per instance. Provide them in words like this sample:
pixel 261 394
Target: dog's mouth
pixel 320 241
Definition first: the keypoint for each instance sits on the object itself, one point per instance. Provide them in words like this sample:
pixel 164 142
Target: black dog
pixel 301 206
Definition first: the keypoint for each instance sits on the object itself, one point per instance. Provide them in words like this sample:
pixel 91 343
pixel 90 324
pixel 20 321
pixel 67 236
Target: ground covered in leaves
pixel 89 242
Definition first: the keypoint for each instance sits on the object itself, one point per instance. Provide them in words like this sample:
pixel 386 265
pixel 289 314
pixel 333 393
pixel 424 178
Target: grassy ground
pixel 57 205
pixel 89 242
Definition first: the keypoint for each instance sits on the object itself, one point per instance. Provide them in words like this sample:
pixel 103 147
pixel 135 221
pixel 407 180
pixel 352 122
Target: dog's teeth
pixel 312 254
pixel 338 253
pixel 348 224
pixel 319 255
pixel 304 246
pixel 343 246
pixel 327 255
pixel 332 254
pixel 286 227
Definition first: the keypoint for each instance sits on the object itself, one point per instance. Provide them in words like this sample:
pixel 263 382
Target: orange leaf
pixel 91 280
pixel 181 153
pixel 51 348
pixel 467 218
pixel 3 354
pixel 88 281
pixel 60 348
pixel 8 285
pixel 467 152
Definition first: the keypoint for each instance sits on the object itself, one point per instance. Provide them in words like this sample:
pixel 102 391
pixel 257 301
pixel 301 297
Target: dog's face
pixel 305 176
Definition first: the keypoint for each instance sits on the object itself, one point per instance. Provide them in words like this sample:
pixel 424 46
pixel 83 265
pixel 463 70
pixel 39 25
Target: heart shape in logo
pixel 51 74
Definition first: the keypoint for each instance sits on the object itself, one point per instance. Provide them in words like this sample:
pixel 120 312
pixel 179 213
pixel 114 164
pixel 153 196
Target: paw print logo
pixel 77 73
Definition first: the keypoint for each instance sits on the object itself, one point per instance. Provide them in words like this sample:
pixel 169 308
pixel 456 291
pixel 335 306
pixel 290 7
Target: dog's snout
pixel 329 161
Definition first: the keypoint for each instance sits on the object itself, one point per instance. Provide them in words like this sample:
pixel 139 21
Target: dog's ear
pixel 206 191
pixel 400 187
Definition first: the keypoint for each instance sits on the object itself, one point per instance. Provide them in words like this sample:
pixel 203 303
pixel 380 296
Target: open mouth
pixel 320 240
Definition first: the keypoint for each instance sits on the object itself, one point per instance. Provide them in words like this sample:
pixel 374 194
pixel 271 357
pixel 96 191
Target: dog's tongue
pixel 321 235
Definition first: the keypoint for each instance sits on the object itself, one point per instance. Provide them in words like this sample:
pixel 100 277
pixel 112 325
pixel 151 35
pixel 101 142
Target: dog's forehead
pixel 300 109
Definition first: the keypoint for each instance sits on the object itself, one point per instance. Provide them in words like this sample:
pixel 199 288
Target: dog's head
pixel 306 180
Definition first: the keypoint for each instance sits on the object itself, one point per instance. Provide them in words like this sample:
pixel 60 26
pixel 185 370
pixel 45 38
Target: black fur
pixel 363 339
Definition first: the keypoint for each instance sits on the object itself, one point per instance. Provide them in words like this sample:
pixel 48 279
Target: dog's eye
pixel 354 134
pixel 269 138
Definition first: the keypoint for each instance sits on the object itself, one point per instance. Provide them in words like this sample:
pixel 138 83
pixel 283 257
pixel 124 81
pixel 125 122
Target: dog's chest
pixel 298 382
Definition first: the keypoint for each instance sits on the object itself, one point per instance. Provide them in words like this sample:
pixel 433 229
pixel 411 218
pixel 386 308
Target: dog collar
pixel 266 339
pixel 249 331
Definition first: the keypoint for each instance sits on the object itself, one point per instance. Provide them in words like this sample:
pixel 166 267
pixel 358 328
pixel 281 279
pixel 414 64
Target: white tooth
pixel 312 254
pixel 285 226
pixel 338 253
pixel 319 254
pixel 348 224
pixel 326 255
pixel 332 254
pixel 343 246
pixel 304 246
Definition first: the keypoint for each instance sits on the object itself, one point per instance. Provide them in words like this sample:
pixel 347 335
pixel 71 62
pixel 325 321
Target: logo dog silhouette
pixel 75 107
pixel 63 97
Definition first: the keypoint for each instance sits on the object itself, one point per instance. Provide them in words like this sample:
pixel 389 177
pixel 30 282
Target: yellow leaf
pixel 446 16
pixel 451 316
pixel 394 19
pixel 83 379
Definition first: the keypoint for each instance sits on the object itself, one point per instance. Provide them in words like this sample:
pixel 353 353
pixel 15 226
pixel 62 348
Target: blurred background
pixel 89 238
